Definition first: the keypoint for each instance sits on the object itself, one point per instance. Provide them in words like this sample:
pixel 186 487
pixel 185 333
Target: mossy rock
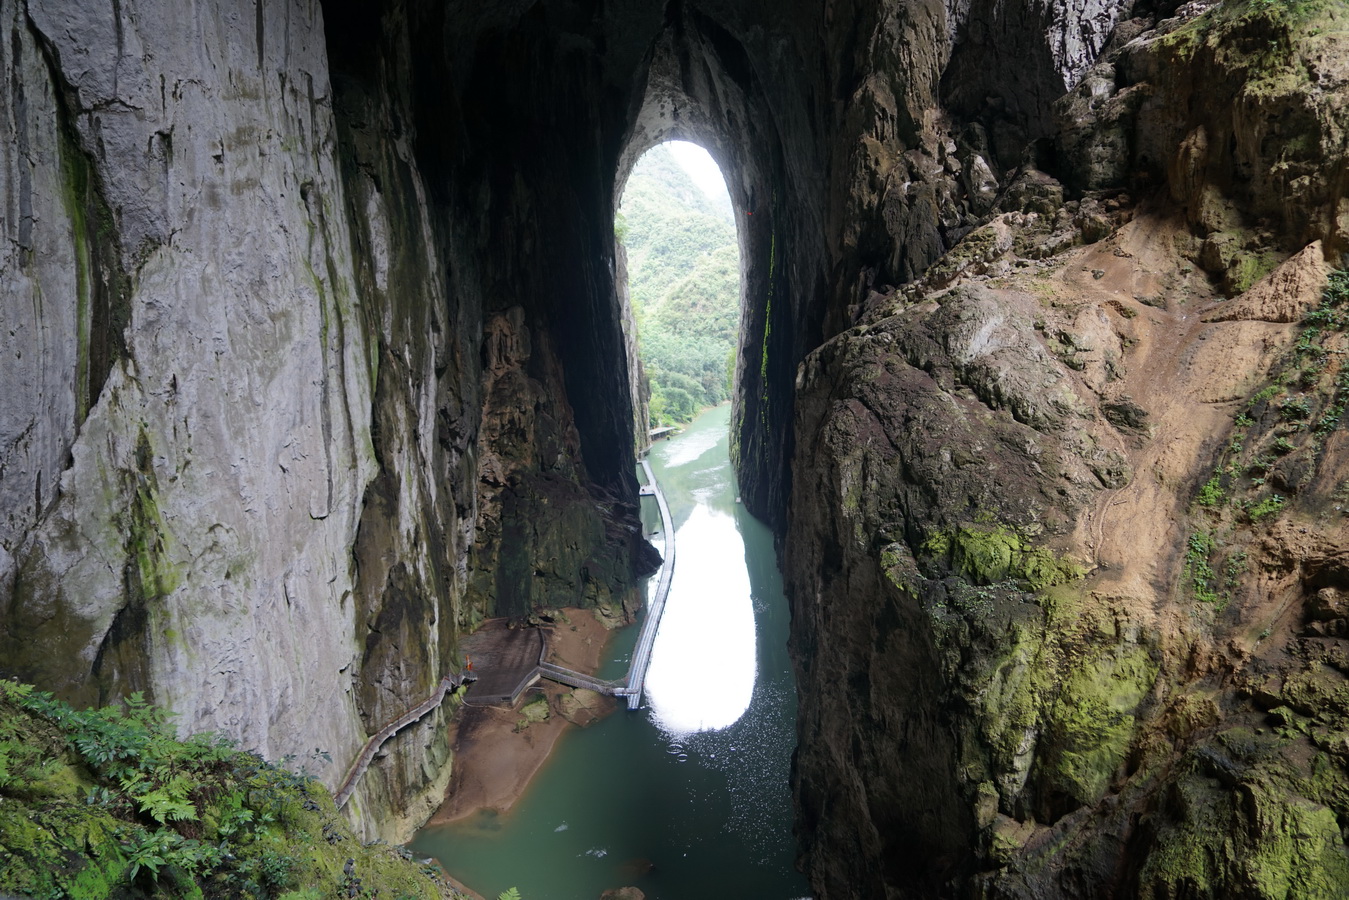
pixel 59 849
pixel 989 554
pixel 534 710
pixel 1011 706
pixel 1260 841
pixel 1091 726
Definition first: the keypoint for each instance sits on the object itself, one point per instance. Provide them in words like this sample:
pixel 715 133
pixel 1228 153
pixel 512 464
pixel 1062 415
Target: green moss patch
pixel 1266 836
pixel 989 554
pixel 1091 724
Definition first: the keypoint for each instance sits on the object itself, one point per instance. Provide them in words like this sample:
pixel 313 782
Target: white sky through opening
pixel 700 166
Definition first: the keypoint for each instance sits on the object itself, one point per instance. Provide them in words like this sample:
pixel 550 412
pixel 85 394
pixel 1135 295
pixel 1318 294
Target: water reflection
pixel 629 801
pixel 701 676
pixel 691 445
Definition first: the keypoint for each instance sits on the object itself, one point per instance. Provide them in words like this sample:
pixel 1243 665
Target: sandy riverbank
pixel 497 751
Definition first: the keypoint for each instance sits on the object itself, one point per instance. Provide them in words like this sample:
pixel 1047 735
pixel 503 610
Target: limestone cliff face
pixel 213 444
pixel 246 301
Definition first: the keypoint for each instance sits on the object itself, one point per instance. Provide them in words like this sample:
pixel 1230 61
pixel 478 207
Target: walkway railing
pixel 377 740
pixel 632 685
pixel 576 679
pixel 641 657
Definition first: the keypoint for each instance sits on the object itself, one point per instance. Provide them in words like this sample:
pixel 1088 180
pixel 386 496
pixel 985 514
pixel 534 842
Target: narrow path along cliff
pixel 377 740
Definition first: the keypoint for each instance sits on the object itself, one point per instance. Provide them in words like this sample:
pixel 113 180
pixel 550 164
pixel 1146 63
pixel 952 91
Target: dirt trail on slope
pixel 1188 359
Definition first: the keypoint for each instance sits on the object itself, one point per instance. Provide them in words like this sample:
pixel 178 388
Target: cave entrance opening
pixel 677 226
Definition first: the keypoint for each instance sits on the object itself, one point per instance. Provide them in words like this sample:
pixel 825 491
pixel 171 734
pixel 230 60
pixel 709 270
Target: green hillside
pixel 684 278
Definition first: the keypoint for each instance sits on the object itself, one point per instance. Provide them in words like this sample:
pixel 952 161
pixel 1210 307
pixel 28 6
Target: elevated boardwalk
pixel 641 657
pixel 378 739
pixel 632 685
pixel 511 660
pixel 575 679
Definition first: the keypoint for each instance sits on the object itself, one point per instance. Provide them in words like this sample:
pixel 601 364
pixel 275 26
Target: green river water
pixel 686 798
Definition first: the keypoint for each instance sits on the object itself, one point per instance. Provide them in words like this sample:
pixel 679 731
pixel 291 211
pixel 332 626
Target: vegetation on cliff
pixel 107 803
pixel 1097 459
pixel 684 279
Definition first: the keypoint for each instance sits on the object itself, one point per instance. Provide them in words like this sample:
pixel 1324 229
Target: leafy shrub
pixel 1265 508
pixel 1211 494
pixel 1295 409
pixel 1337 288
pixel 128 810
pixel 1199 574
pixel 1260 465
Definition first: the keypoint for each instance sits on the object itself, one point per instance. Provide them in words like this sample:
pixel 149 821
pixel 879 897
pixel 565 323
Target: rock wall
pixel 264 467
pixel 1066 613
pixel 190 537
pixel 639 386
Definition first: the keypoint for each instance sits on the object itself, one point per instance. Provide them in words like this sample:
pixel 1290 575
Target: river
pixel 686 798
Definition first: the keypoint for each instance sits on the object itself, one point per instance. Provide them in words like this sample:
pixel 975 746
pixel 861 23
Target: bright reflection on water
pixel 690 447
pixel 687 798
pixel 701 676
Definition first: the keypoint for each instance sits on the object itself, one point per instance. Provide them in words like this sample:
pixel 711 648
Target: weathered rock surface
pixel 624 893
pixel 194 546
pixel 247 304
pixel 1090 506
pixel 320 358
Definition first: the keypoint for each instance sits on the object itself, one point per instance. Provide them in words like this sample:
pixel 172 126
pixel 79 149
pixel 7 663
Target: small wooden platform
pixel 506 661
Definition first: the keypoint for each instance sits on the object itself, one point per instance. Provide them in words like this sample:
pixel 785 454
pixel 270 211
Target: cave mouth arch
pixel 698 84
pixel 682 284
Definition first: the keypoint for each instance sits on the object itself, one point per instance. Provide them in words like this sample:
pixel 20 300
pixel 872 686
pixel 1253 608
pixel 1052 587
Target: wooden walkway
pixel 632 685
pixel 511 663
pixel 377 740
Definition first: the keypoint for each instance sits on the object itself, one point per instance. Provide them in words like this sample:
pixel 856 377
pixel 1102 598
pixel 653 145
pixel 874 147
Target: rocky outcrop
pixel 1084 497
pixel 191 543
pixel 249 293
pixel 1235 112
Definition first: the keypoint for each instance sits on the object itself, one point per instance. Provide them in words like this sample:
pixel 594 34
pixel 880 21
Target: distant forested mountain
pixel 684 278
